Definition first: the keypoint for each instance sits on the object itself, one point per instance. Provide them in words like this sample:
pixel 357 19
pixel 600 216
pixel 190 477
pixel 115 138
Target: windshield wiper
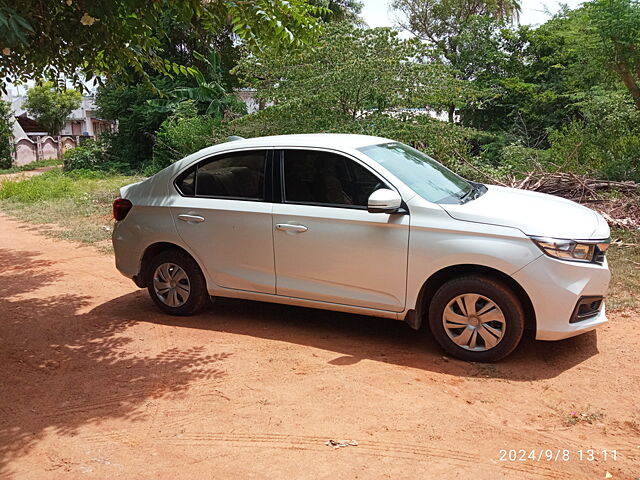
pixel 466 195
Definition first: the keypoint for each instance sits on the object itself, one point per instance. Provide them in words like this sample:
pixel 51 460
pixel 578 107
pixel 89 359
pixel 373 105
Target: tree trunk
pixel 451 112
pixel 629 82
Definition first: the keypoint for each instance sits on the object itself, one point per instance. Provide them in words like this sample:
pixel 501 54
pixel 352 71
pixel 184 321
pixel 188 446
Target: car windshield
pixel 428 178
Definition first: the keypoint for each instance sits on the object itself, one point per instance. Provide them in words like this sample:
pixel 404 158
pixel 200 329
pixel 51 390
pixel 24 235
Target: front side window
pixel 322 178
pixel 429 179
pixel 237 175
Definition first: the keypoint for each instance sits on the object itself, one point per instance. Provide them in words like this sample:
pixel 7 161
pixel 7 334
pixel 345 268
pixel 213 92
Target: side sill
pixel 301 302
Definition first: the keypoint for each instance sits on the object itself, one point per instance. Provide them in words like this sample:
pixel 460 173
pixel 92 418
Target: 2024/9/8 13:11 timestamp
pixel 557 455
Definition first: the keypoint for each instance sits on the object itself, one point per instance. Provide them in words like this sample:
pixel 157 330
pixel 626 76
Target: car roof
pixel 333 140
pixel 336 141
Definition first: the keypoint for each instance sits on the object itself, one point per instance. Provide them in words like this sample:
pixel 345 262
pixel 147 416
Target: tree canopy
pixel 351 70
pixel 107 38
pixel 441 22
pixel 616 25
pixel 51 106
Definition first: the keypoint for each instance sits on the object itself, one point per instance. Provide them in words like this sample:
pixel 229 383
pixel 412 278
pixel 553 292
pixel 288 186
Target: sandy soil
pixel 96 383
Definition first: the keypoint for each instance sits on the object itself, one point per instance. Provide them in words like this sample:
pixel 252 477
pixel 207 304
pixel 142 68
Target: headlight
pixel 573 250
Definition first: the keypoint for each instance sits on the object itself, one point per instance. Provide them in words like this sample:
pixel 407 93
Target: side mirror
pixel 384 201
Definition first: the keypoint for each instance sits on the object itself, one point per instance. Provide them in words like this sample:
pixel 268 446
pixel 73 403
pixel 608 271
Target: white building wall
pixel 84 114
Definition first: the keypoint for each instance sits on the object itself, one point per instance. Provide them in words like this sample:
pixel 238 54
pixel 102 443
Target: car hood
pixel 533 213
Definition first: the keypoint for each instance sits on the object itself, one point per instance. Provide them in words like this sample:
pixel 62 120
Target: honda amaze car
pixel 366 225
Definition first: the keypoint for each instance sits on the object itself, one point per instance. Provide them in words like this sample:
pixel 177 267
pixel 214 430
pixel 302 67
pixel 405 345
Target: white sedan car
pixel 365 225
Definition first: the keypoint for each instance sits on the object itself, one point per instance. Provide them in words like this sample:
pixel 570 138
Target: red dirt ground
pixel 97 383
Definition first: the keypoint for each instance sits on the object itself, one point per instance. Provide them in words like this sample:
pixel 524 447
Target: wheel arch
pixel 151 251
pixel 431 285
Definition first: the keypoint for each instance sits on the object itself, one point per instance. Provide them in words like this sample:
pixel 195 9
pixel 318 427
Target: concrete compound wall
pixel 41 148
pixel 26 151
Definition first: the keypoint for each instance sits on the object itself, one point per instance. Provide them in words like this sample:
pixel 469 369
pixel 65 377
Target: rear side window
pixel 323 178
pixel 238 175
pixel 186 183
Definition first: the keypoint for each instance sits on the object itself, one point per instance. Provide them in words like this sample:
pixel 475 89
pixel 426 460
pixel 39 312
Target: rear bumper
pixel 126 251
pixel 555 286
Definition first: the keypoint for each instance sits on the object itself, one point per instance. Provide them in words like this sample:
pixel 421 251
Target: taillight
pixel 121 207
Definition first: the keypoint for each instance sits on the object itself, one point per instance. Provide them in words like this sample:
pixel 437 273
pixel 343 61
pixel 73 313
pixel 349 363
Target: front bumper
pixel 572 329
pixel 555 286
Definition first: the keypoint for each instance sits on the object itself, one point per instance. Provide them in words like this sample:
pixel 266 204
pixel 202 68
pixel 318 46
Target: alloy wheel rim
pixel 171 284
pixel 474 322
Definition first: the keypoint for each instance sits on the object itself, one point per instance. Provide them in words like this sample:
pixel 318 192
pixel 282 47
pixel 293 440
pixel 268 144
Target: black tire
pixel 197 297
pixel 489 289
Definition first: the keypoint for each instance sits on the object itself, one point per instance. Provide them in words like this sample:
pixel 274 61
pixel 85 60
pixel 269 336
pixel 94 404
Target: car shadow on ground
pixel 357 337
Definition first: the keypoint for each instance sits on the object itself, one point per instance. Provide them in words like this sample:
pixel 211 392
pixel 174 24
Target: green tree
pixel 132 145
pixel 355 81
pixel 352 71
pixel 210 93
pixel 50 106
pixel 616 25
pixel 523 77
pixel 6 132
pixel 443 24
pixel 107 38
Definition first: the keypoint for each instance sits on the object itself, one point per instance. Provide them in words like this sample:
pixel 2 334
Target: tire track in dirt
pixel 377 449
pixel 162 345
pixel 82 407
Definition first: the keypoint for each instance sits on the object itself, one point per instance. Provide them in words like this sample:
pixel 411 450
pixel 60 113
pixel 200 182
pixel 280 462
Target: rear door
pixel 327 246
pixel 223 214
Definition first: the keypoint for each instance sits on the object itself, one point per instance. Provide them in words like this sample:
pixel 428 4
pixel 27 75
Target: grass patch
pixel 52 162
pixel 624 263
pixel 73 206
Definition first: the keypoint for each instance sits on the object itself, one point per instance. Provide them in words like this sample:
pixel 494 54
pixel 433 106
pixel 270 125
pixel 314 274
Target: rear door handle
pixel 288 227
pixel 190 218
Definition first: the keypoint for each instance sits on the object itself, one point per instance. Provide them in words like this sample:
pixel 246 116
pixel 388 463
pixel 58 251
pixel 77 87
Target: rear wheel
pixel 477 319
pixel 176 283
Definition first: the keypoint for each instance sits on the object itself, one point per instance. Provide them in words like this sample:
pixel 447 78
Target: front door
pixel 327 246
pixel 222 215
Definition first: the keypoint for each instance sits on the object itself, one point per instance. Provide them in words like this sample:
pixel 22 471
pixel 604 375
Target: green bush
pixel 181 134
pixel 446 142
pixel 90 155
pixel 604 143
pixel 515 159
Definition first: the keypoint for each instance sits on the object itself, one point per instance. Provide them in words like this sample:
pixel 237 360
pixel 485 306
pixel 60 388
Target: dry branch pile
pixel 621 212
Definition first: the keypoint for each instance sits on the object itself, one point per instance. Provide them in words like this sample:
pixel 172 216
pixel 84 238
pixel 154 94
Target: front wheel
pixel 176 284
pixel 476 318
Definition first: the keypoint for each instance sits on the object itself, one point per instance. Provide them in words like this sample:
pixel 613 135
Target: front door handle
pixel 190 218
pixel 288 227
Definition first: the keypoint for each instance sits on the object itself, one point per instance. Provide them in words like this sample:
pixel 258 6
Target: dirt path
pixel 26 174
pixel 96 381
